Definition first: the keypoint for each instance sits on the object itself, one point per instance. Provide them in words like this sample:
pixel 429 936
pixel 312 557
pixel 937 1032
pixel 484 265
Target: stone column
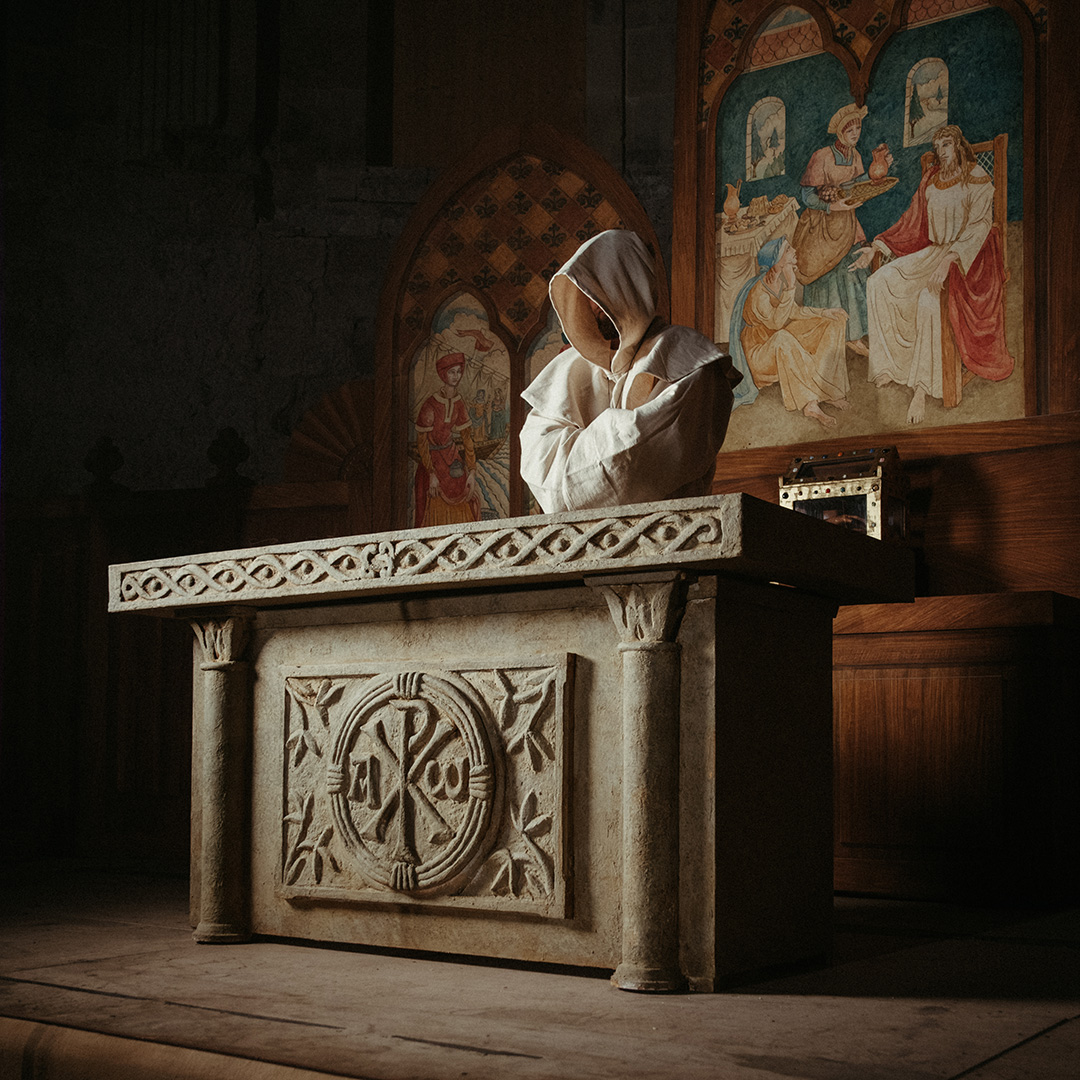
pixel 647 609
pixel 221 770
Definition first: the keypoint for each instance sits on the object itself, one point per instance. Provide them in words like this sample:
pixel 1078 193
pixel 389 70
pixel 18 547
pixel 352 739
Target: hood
pixel 615 270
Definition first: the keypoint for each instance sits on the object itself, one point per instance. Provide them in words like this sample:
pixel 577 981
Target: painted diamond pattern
pixel 506 234
pixel 503 259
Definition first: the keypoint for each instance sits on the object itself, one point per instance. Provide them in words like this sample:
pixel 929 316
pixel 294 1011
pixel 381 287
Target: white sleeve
pixel 568 467
pixel 628 455
pixel 980 217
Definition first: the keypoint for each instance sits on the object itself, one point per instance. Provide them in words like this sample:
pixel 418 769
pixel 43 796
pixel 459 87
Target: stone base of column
pixel 221 934
pixel 649 980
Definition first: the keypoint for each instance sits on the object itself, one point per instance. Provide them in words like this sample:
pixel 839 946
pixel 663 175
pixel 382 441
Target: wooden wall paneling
pixel 956 748
pixel 992 506
pixel 919 779
pixel 999 521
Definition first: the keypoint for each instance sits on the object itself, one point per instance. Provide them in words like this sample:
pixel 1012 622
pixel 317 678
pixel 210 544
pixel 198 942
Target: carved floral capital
pixel 222 641
pixel 646 610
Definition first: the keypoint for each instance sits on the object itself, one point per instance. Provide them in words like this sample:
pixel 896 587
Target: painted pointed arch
pixel 492 231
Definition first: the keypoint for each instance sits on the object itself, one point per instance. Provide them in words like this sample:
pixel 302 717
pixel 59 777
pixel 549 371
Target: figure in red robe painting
pixel 946 234
pixel 445 487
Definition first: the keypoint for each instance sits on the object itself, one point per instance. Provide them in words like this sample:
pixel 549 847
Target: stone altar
pixel 597 738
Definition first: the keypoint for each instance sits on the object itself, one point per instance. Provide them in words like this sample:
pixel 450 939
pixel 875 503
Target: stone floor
pixel 99 977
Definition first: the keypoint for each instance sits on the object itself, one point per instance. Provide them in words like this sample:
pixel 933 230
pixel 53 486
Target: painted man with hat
pixel 445 487
pixel 829 230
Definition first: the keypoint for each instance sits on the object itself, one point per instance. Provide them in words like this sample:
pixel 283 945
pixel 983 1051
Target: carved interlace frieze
pixel 687 531
pixel 427 785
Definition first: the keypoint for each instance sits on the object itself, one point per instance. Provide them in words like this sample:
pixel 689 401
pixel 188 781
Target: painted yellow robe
pixel 802 349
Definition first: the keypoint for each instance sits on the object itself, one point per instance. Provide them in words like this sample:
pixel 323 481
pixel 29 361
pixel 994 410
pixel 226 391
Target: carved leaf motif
pixel 540 868
pixel 299 742
pixel 647 612
pixel 539 748
pixel 307 851
pixel 538 826
pixel 522 715
pixel 508 877
pixel 302 815
pixel 295 745
pixel 221 639
pixel 314 692
pixel 317 694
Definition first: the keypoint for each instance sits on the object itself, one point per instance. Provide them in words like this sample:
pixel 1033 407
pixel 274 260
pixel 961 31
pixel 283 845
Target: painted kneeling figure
pixel 775 340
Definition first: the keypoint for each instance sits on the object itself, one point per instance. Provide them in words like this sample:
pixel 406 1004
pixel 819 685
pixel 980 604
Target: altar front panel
pixel 454 760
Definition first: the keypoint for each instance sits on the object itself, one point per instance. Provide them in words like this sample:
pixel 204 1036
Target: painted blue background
pixel 983 54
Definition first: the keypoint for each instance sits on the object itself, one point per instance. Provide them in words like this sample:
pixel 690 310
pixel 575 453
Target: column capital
pixel 647 608
pixel 223 636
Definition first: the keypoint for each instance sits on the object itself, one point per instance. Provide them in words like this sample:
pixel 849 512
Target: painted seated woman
pixel 775 340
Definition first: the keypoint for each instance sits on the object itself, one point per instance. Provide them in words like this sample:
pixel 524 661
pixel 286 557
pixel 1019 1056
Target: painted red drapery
pixel 976 299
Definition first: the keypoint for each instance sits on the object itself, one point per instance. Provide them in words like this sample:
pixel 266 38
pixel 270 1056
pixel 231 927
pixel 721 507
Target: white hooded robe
pixel 639 423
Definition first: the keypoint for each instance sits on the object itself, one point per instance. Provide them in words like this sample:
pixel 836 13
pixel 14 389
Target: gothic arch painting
pixel 765 139
pixel 465 321
pixel 461 328
pixel 889 112
pixel 927 97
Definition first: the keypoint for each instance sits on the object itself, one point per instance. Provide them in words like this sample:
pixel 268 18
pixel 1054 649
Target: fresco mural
pixel 459 448
pixel 927 100
pixel 873 279
pixel 765 139
pixel 545 346
pixel 469 324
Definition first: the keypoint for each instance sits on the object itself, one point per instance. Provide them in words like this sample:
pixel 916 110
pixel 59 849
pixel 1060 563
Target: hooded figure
pixel 634 410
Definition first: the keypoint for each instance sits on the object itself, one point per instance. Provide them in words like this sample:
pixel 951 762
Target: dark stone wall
pixel 196 235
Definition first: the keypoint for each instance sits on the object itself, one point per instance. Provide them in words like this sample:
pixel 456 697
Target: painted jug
pixel 731 202
pixel 879 166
